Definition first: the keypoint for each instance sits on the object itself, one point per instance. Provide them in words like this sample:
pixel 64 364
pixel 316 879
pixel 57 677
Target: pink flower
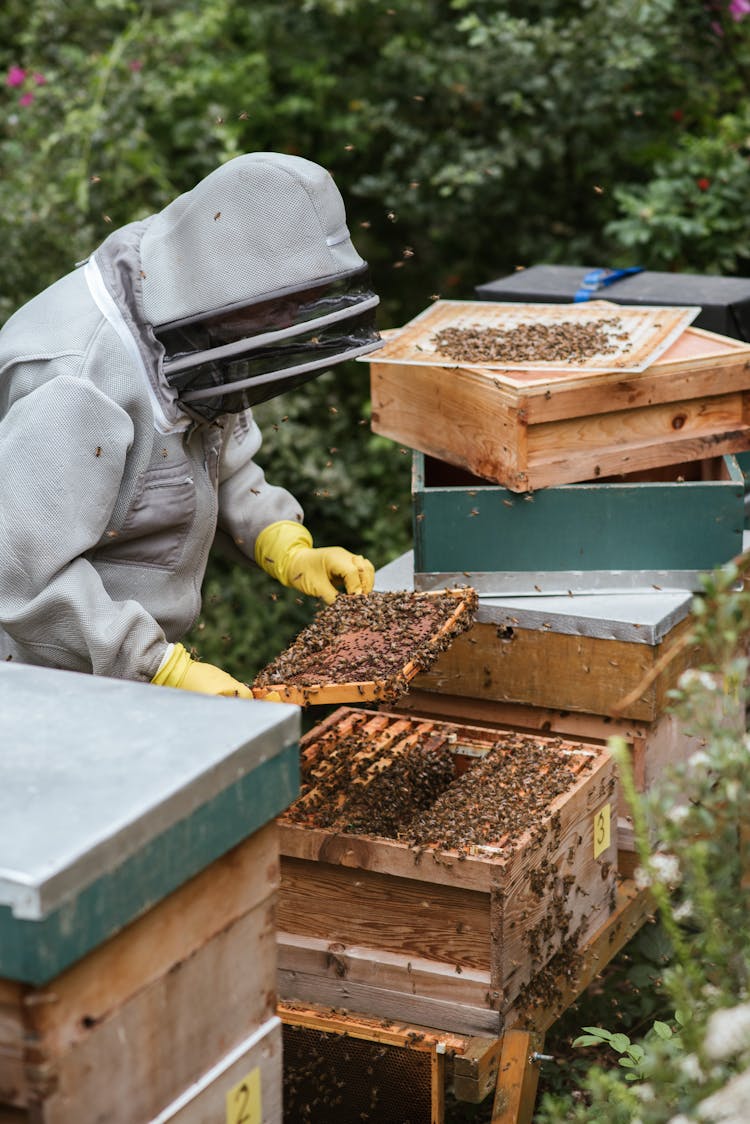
pixel 15 76
pixel 39 79
pixel 738 9
pixel 26 99
pixel 135 65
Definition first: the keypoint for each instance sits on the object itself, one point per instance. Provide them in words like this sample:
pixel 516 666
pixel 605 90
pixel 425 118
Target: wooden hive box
pixel 658 528
pixel 445 936
pixel 528 429
pixel 139 873
pixel 581 653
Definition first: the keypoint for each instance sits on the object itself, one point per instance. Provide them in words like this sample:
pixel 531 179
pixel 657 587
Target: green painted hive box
pixel 113 795
pixel 656 529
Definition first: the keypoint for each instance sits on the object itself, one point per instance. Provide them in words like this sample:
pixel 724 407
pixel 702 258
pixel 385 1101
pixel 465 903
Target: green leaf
pixel 619 1042
pixel 599 1032
pixel 662 1030
pixel 587 1040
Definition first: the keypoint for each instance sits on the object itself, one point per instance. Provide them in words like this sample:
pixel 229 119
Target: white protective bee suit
pixel 126 437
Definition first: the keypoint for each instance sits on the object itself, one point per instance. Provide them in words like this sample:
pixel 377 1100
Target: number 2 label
pixel 601 830
pixel 243 1101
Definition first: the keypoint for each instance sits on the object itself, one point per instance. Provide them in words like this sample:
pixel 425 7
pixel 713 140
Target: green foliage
pixel 700 814
pixel 468 138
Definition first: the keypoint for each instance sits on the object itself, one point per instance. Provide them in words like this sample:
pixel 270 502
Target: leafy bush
pixel 698 878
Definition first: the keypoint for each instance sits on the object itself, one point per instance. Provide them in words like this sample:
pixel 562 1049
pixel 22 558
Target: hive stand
pixel 504 1067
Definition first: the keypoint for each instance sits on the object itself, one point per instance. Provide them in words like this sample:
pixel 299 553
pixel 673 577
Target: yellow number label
pixel 601 830
pixel 243 1101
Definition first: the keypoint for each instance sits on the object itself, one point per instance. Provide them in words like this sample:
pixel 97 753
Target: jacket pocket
pixel 158 521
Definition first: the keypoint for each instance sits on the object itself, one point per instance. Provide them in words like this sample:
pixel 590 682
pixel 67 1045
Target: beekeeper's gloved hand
pixel 285 551
pixel 180 670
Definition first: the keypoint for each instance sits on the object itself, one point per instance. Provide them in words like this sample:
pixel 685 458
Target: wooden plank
pixel 517 1078
pixel 330 1020
pixel 475 1069
pixel 415 975
pixel 95 988
pixel 696 366
pixel 626 441
pixel 437 1088
pixel 450 924
pixel 557 671
pixel 12 1071
pixel 482 435
pixel 247 1079
pixel 147 1052
pixel 390 1004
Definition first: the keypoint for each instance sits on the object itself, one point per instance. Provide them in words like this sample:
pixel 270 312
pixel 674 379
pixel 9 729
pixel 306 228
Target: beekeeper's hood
pixel 252 285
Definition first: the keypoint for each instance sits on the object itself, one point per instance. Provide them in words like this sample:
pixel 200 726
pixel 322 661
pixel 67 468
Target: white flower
pixel 681 1119
pixel 692 677
pixel 698 759
pixel 666 868
pixel 728 1032
pixel 728 1105
pixel 691 1068
pixel 642 878
pixel 678 814
pixel 684 911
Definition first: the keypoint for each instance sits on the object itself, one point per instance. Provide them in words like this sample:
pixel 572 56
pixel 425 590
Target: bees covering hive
pixel 433 869
pixel 367 647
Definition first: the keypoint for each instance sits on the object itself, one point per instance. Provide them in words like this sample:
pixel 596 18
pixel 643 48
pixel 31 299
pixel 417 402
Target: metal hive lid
pixel 93 770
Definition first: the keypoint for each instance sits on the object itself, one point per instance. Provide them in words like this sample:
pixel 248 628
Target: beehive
pixel 528 429
pixel 445 934
pixel 597 654
pixel 137 867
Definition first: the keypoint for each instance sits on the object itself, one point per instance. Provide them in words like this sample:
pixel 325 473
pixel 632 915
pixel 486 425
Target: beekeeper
pixel 126 435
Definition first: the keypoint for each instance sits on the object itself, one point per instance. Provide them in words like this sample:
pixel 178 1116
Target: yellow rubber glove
pixel 181 670
pixel 285 551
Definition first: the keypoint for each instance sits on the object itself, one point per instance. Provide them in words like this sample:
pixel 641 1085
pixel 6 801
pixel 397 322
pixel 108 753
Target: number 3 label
pixel 601 830
pixel 243 1101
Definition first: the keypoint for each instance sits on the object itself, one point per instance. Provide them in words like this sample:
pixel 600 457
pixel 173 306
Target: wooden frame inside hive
pixel 447 937
pixel 320 666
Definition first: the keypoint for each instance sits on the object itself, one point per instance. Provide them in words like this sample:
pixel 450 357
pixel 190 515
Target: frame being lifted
pixel 477 1067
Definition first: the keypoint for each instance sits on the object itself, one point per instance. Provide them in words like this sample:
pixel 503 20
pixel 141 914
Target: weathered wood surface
pixel 124 1031
pixel 517 1079
pixel 556 670
pixel 526 432
pixel 246 1085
